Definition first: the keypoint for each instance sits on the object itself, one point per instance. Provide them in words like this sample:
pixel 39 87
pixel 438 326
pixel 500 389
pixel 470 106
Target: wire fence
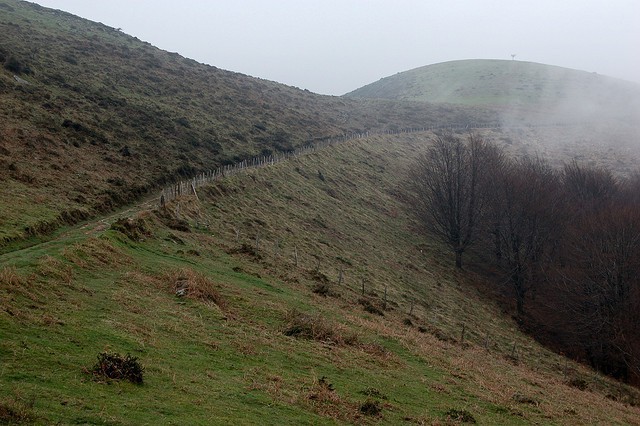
pixel 189 186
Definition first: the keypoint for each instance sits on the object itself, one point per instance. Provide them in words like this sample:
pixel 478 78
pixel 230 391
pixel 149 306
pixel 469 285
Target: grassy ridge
pixel 236 358
pixel 515 84
pixel 92 119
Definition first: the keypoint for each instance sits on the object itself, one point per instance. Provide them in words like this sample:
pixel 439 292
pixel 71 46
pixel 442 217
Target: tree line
pixel 563 245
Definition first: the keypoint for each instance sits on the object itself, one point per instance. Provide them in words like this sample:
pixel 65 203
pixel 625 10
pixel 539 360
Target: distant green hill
pixel 509 84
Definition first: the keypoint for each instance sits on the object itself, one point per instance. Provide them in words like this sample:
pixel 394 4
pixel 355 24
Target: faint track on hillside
pixel 189 186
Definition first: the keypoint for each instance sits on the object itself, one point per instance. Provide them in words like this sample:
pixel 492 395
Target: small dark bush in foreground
pixel 371 407
pixel 117 367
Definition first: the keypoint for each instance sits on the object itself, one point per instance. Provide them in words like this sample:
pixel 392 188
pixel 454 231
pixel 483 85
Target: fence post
pixel 385 298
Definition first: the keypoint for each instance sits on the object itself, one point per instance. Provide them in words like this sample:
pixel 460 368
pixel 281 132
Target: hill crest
pixel 509 83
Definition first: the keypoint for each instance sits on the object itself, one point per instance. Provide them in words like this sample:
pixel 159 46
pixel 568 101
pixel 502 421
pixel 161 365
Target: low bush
pixel 371 407
pixel 323 399
pixel 523 399
pixel 171 220
pixel 318 276
pixel 113 366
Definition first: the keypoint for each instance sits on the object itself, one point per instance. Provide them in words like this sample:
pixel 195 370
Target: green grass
pixel 84 289
pixel 568 94
pixel 91 289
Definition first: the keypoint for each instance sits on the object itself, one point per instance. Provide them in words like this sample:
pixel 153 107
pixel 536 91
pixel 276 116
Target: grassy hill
pixel 531 86
pixel 92 118
pixel 273 326
pixel 299 293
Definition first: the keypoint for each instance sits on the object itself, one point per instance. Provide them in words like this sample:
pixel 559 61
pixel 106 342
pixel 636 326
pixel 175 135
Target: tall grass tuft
pixel 315 327
pixel 194 285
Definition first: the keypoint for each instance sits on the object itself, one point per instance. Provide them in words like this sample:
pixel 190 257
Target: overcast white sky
pixel 335 46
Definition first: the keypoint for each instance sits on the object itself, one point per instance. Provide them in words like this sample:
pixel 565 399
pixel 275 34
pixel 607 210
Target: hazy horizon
pixel 334 47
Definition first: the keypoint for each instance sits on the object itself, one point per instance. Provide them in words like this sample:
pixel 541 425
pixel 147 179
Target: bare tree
pixel 528 217
pixel 588 187
pixel 449 183
pixel 601 285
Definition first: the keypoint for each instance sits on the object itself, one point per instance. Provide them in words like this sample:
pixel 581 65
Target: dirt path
pixel 76 232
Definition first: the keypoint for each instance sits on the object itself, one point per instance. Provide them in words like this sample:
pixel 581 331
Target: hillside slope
pixel 274 328
pixel 569 93
pixel 92 118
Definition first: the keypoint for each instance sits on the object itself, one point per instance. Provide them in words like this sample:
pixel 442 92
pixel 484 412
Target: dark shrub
pixel 117 367
pixel 14 65
pixel 371 408
pixel 368 306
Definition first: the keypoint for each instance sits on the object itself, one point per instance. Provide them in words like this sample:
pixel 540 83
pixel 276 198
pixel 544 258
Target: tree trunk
pixel 459 258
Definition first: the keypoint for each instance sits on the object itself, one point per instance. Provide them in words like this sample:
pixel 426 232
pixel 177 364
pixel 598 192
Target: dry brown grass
pixel 321 398
pixel 516 388
pixel 137 228
pixel 95 252
pixel 193 285
pixel 51 268
pixel 10 279
pixel 13 284
pixel 315 327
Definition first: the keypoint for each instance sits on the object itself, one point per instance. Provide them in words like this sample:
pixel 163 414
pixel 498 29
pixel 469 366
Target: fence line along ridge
pixel 189 186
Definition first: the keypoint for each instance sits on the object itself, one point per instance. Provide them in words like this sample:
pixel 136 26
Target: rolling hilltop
pixel 92 118
pixel 604 112
pixel 568 93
